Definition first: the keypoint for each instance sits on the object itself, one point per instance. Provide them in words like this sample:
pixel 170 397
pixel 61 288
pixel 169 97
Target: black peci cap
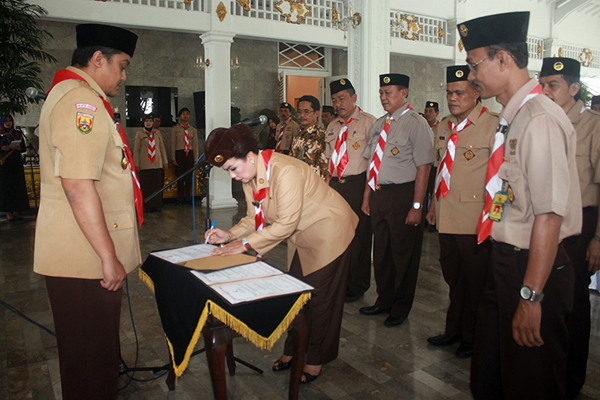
pixel 394 79
pixel 432 104
pixel 89 35
pixel 560 66
pixel 339 85
pixel 595 100
pixel 456 73
pixel 329 109
pixel 494 29
pixel 286 105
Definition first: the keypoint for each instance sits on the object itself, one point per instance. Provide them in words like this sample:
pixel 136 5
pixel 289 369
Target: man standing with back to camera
pixel 532 205
pixel 87 201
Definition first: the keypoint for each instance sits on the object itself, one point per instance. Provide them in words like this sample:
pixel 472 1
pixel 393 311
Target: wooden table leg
pixel 299 335
pixel 215 343
pixel 230 358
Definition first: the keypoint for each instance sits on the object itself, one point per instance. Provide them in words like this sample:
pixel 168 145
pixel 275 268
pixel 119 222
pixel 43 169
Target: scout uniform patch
pixel 395 151
pixel 511 194
pixel 356 145
pixel 85 122
pixel 469 154
pixel 513 146
pixel 498 206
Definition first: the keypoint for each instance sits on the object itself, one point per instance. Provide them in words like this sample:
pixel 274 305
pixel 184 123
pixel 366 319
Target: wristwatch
pixel 527 293
pixel 246 244
pixel 417 206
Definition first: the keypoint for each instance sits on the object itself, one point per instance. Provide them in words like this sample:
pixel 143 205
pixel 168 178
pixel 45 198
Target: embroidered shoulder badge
pixel 85 122
pixel 86 105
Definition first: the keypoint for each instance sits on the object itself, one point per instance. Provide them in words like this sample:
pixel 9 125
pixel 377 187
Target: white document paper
pixel 15 144
pixel 260 288
pixel 259 269
pixel 184 254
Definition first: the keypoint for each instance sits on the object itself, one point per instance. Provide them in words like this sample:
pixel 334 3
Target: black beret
pixel 595 100
pixel 394 79
pixel 494 29
pixel 432 104
pixel 456 73
pixel 286 105
pixel 220 144
pixel 107 36
pixel 560 66
pixel 339 85
pixel 329 109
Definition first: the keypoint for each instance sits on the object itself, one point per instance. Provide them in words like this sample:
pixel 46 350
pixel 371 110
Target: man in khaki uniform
pixel 431 113
pixel 87 203
pixel 560 79
pixel 532 205
pixel 184 153
pixel 351 184
pixel 327 115
pixel 286 129
pixel 459 195
pixel 400 150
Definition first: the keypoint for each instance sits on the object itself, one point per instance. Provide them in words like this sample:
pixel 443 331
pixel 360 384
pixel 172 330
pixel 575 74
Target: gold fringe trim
pixel 146 279
pixel 179 369
pixel 258 340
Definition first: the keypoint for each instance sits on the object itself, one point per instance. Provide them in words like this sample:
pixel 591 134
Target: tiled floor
pixel 374 362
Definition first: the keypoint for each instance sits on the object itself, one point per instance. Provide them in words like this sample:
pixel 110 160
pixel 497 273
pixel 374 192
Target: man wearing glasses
pixel 309 144
pixel 532 204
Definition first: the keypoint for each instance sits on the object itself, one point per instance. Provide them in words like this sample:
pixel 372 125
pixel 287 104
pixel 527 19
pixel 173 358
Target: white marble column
pixel 369 52
pixel 217 51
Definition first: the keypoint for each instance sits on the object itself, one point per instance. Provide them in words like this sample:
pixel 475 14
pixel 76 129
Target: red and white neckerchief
pixel 442 181
pixel 65 74
pixel 280 135
pixel 493 183
pixel 339 157
pixel 186 139
pixel 375 164
pixel 260 195
pixel 151 146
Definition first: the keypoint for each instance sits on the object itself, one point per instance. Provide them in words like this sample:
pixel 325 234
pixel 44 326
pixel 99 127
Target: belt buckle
pixel 341 180
pixel 377 187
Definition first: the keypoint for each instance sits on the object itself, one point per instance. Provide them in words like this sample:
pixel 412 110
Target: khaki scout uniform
pixel 68 149
pixel 320 224
pixel 184 162
pixel 464 263
pixel 397 246
pixel 352 187
pixel 540 176
pixel 140 150
pixel 587 127
pixel 178 140
pixel 291 129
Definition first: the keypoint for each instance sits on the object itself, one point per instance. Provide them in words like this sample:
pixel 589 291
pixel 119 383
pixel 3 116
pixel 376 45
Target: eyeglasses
pixel 305 111
pixel 473 67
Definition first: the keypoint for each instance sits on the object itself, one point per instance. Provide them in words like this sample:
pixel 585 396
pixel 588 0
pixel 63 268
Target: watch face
pixel 526 292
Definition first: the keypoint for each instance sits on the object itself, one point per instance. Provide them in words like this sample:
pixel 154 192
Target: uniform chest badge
pixel 124 160
pixel 513 146
pixel 356 146
pixel 395 151
pixel 85 122
pixel 261 181
pixel 469 155
pixel 511 194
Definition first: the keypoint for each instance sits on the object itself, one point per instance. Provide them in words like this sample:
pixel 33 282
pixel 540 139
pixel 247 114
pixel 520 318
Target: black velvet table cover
pixel 184 303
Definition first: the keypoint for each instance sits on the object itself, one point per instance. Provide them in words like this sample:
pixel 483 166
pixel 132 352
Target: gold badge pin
pixel 430 105
pixel 469 154
pixel 377 187
pixel 464 31
pixel 395 151
pixel 513 146
pixel 558 66
pixel 261 180
pixel 511 194
pixel 124 162
pixel 218 158
pixel 386 79
pixel 459 73
pixel 342 81
pixel 356 146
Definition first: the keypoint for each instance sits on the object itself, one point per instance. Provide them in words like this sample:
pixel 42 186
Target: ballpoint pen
pixel 212 226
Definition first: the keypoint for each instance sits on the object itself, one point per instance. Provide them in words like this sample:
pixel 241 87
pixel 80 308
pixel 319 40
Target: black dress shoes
pixel 372 310
pixel 392 320
pixel 444 340
pixel 465 350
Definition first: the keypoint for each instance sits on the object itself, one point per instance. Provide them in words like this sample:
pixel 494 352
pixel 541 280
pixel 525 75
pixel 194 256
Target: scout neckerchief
pixel 151 146
pixel 378 156
pixel 442 181
pixel 65 74
pixel 339 157
pixel 493 183
pixel 280 134
pixel 186 139
pixel 260 195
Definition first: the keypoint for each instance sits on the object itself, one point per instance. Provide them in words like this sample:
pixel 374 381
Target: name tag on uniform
pixel 498 206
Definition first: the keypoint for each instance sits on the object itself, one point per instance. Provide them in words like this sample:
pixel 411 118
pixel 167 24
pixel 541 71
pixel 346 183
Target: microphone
pixel 256 121
pixel 34 94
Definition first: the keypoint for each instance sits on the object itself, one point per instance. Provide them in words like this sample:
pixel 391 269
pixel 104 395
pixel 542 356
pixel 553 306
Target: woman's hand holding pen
pixel 216 236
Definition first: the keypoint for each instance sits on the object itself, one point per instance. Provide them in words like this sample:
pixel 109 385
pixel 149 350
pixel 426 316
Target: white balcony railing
pixel 418 27
pixel 321 11
pixel 194 5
